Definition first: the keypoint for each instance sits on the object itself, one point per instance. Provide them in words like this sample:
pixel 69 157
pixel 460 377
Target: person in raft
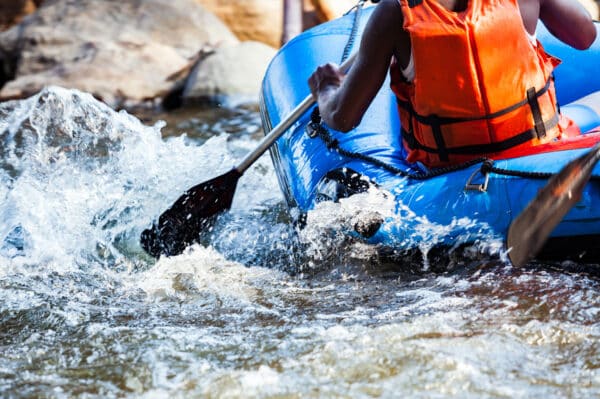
pixel 470 78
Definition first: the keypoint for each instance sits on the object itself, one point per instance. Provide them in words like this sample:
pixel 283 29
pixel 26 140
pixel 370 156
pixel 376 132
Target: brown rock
pixel 309 17
pixel 327 10
pixel 125 52
pixel 13 11
pixel 257 20
pixel 593 8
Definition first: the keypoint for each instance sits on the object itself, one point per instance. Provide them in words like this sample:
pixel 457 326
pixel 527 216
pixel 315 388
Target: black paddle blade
pixel 529 231
pixel 181 224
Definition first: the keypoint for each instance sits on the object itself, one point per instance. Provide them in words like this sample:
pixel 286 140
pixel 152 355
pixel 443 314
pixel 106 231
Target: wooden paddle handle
pixel 284 125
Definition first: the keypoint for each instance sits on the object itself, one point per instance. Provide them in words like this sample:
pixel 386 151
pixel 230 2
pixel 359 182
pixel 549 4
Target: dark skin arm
pixel 343 100
pixel 567 20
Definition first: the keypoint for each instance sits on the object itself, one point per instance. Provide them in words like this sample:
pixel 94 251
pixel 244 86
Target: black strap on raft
pixel 487 164
pixel 318 130
pixel 436 122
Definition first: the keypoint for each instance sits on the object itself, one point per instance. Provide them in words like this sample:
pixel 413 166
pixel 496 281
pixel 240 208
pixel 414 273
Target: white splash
pixel 81 181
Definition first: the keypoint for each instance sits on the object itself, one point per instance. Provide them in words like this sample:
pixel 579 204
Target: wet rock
pixel 367 223
pixel 184 283
pixel 127 53
pixel 230 75
pixel 16 242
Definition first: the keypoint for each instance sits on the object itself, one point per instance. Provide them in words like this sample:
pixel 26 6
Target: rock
pixel 128 53
pixel 250 20
pixel 593 8
pixel 367 223
pixel 230 76
pixel 13 11
pixel 309 17
pixel 327 10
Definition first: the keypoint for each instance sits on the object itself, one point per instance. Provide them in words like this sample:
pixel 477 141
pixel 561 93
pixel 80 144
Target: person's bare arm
pixel 344 100
pixel 569 21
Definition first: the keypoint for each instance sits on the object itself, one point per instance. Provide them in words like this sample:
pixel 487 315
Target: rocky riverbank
pixel 145 55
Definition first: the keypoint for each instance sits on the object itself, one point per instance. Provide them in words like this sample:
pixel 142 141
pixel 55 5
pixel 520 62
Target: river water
pixel 259 309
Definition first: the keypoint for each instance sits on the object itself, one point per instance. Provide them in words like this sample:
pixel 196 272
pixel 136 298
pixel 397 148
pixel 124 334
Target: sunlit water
pixel 259 309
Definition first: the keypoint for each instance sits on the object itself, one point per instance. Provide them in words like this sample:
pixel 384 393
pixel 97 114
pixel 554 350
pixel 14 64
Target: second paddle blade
pixel 181 224
pixel 529 231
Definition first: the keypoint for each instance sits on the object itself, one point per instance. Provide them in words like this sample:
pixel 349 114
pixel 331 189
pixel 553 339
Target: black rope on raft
pixel 333 144
pixel 525 174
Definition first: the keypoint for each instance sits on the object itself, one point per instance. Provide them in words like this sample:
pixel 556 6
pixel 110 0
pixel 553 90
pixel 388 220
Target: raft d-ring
pixel 312 129
pixel 482 187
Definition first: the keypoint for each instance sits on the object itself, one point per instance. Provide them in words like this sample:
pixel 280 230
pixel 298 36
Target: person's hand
pixel 328 76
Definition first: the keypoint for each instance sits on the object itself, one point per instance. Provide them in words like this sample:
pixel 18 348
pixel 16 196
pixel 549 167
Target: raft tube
pixel 306 167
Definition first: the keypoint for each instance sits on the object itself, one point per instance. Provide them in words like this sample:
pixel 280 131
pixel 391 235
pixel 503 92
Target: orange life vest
pixel 481 87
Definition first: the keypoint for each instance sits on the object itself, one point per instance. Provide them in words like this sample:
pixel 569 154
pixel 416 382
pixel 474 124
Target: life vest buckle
pixel 481 187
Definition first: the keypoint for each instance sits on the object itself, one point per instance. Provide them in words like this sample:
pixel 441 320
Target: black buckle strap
pixel 414 144
pixel 410 138
pixel 436 129
pixel 442 120
pixel 536 112
pixel 478 149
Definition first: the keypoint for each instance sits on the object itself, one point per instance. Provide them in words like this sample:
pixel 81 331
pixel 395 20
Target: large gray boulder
pixel 229 76
pixel 126 52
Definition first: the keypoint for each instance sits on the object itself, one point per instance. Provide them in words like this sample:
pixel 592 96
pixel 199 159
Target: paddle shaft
pixel 283 126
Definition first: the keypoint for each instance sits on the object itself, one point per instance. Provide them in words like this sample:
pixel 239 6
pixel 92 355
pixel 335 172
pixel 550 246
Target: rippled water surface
pixel 259 309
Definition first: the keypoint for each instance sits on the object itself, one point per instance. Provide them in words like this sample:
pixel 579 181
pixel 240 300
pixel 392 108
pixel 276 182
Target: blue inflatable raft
pixel 312 167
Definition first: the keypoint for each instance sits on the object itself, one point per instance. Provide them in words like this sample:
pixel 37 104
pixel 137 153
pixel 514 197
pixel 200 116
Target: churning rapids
pixel 258 309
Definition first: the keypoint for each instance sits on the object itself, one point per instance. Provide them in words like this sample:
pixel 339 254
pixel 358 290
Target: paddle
pixel 529 231
pixel 181 224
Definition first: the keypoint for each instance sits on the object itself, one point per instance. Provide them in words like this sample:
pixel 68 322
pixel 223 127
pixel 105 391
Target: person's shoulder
pixel 388 10
pixel 388 5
